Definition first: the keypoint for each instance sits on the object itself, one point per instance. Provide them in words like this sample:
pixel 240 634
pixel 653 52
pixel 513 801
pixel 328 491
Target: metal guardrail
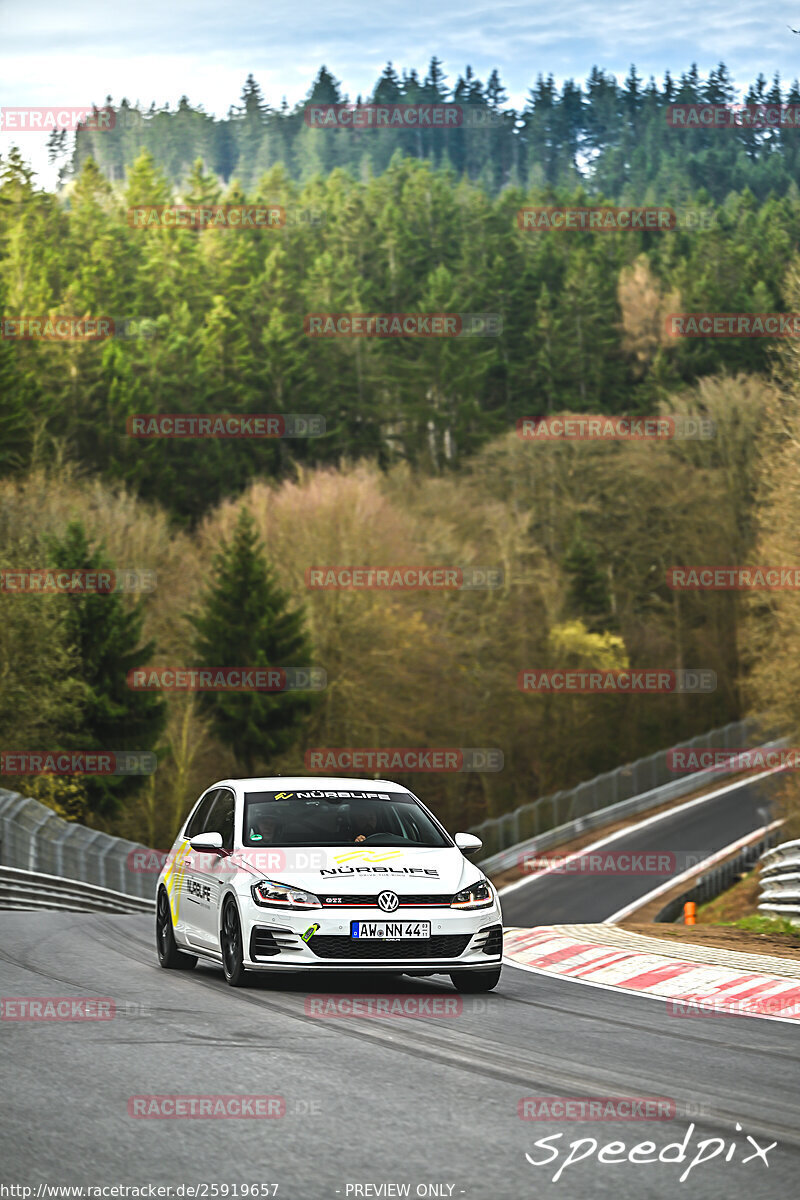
pixel 718 879
pixel 28 890
pixel 780 882
pixel 34 838
pixel 643 777
pixel 682 786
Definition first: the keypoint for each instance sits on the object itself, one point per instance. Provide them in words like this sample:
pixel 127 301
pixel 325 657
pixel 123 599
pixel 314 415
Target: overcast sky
pixel 156 50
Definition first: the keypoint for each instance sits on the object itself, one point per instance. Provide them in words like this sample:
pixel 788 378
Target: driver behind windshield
pixel 369 823
pixel 265 830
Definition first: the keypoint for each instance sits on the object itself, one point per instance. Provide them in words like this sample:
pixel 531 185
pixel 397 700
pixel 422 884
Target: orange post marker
pixel 689 910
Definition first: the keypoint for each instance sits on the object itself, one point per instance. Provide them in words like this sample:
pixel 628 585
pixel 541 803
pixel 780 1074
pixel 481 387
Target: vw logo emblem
pixel 388 901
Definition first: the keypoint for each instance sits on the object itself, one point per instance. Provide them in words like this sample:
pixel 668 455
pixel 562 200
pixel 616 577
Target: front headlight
pixel 477 895
pixel 280 895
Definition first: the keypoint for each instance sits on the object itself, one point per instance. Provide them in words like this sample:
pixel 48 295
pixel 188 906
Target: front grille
pixel 448 945
pixel 362 901
pixel 494 942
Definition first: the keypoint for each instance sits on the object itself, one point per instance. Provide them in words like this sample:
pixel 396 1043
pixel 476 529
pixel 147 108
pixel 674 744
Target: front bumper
pixel 273 941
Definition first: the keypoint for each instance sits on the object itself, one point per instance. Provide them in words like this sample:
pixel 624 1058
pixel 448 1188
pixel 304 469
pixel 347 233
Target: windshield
pixel 337 818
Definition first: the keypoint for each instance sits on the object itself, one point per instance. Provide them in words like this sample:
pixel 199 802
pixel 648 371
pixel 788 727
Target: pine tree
pixel 15 431
pixel 588 594
pixel 495 92
pixel 106 636
pixel 435 82
pixel 202 188
pixel 388 89
pixel 326 89
pixel 245 621
pixel 250 124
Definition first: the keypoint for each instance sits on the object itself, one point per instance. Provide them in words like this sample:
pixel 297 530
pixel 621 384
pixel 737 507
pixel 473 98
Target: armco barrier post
pixel 58 846
pixel 73 852
pixel 102 862
pixel 33 843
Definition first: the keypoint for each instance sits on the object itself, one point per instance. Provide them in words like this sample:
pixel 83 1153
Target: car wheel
pixel 231 944
pixel 170 957
pixel 475 981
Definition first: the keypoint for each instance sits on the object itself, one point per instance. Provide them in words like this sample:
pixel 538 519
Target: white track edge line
pixel 621 833
pixel 717 856
pixel 612 987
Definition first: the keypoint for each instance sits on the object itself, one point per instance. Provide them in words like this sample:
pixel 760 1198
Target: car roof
pixel 281 783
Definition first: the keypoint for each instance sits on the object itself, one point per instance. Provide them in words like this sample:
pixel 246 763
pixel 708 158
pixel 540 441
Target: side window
pixel 220 819
pixel 197 824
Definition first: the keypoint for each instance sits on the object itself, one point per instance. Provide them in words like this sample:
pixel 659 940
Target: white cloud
pixel 57 54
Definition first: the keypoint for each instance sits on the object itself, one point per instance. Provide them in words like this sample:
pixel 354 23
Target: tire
pixel 230 943
pixel 169 956
pixel 475 981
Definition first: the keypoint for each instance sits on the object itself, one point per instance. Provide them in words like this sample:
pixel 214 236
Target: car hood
pixel 346 870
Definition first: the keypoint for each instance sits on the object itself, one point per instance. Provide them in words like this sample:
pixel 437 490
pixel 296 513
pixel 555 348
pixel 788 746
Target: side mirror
pixel 204 842
pixel 468 843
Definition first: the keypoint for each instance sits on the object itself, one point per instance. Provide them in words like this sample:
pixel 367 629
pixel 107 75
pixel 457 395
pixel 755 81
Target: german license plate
pixel 390 931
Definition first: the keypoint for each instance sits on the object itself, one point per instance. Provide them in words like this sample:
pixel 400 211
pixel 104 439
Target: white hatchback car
pixel 296 874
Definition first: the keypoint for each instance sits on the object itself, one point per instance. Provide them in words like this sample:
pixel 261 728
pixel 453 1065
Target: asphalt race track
pixel 416 1102
pixel 690 835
